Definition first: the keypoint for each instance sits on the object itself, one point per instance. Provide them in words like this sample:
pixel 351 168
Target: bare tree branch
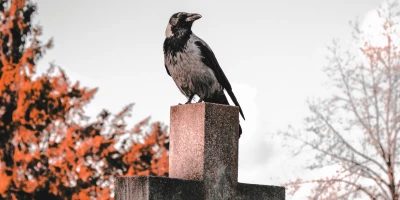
pixel 357 129
pixel 347 144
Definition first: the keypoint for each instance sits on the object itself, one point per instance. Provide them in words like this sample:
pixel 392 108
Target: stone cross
pixel 203 162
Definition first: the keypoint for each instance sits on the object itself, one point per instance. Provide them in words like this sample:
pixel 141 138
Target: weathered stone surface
pixel 157 188
pixel 204 146
pixel 186 156
pixel 253 191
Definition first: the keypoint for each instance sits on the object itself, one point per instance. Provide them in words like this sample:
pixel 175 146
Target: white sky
pixel 271 51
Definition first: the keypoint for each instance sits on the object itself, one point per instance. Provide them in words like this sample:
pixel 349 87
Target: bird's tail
pixel 221 99
pixel 235 101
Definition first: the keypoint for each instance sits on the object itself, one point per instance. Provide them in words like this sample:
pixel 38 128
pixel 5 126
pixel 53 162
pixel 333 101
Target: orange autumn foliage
pixel 48 147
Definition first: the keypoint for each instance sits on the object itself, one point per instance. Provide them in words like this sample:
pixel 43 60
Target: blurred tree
pixel 48 147
pixel 357 129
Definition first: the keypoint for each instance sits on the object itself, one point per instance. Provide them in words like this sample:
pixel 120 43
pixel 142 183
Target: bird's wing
pixel 167 69
pixel 209 59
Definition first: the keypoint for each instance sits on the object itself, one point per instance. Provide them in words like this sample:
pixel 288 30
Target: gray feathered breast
pixel 188 70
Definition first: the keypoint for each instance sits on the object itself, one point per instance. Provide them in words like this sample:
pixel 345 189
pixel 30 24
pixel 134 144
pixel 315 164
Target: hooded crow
pixel 192 64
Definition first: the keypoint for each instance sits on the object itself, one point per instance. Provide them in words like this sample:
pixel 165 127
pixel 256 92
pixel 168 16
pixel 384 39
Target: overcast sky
pixel 271 51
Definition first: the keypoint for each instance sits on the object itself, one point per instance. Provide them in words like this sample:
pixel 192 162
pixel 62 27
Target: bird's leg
pixel 190 99
pixel 200 100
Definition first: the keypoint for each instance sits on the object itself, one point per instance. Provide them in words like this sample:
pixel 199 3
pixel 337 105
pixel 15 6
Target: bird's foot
pixel 190 99
pixel 188 102
pixel 200 100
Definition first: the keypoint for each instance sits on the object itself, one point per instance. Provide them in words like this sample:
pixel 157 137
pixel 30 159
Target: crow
pixel 192 64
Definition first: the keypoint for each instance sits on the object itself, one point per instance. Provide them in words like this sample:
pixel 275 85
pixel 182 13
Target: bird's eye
pixel 173 21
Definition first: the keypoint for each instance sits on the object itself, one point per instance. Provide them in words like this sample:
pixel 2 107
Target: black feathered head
pixel 180 22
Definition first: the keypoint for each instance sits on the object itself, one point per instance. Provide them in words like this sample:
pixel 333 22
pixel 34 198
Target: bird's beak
pixel 193 17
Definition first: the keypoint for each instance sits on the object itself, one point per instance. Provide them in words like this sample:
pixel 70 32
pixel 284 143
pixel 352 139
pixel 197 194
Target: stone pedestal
pixel 204 146
pixel 203 160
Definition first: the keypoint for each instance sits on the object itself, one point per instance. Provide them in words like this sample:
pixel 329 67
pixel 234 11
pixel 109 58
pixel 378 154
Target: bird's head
pixel 180 22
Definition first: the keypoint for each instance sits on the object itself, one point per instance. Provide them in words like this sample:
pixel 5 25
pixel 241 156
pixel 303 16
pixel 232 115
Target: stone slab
pixel 162 188
pixel 253 191
pixel 157 188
